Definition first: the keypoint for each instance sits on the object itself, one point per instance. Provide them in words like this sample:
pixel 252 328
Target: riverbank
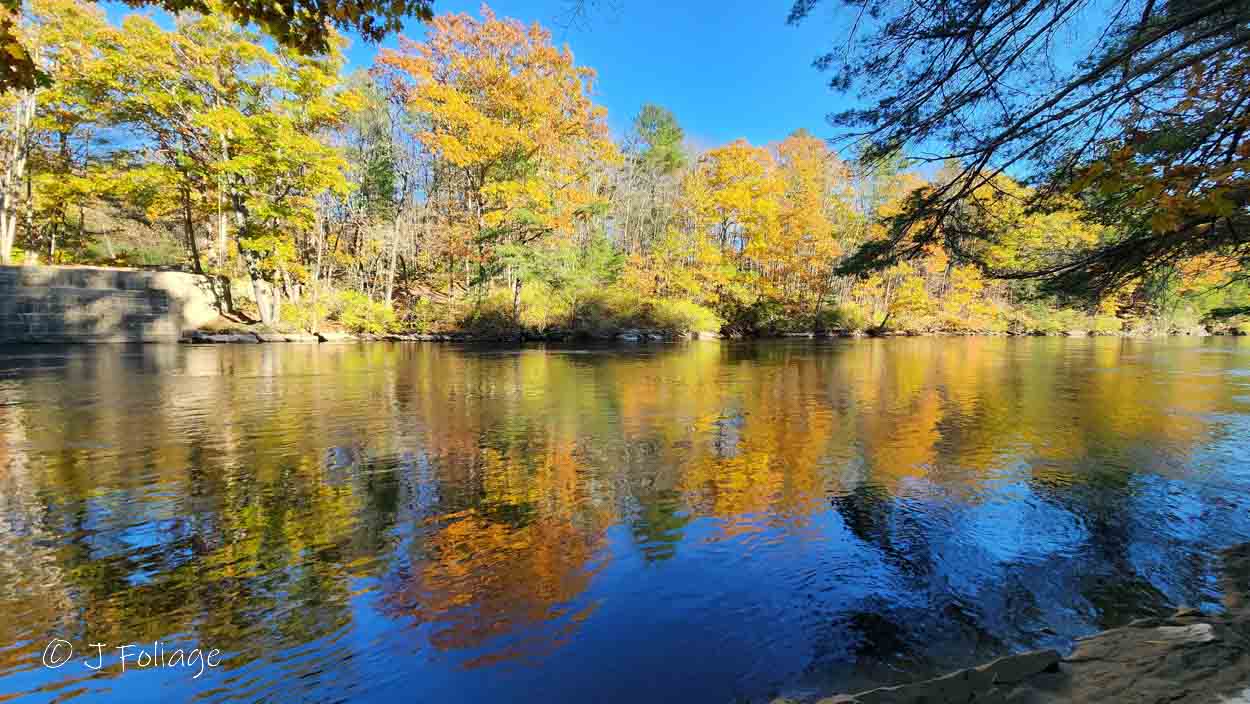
pixel 71 304
pixel 1191 657
pixel 244 335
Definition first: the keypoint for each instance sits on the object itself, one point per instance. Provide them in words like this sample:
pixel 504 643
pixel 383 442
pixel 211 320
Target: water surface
pixel 709 522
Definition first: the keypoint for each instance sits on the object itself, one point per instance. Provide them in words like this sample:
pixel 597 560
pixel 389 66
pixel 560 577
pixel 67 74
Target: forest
pixel 468 183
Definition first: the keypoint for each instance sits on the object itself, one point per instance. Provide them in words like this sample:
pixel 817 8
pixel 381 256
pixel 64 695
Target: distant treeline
pixel 469 182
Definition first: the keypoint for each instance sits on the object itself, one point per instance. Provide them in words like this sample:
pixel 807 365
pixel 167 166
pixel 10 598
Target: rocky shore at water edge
pixel 1190 657
pixel 632 336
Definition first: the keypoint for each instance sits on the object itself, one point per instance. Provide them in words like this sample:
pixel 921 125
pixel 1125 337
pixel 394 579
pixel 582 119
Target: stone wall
pixel 85 304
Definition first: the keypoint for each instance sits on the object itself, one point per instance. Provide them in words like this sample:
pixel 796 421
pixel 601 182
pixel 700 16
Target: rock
pixel 883 695
pixel 300 337
pixel 270 337
pixel 629 336
pixel 199 337
pixel 227 338
pixel 1151 660
pixel 335 337
pixel 656 337
pixel 1076 333
pixel 1177 635
pixel 1016 668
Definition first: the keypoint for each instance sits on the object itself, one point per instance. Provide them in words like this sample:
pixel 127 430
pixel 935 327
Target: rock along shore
pixel 1190 657
pixel 631 336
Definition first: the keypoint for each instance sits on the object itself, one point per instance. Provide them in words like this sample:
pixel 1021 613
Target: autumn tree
pixel 815 207
pixel 53 163
pixel 15 141
pixel 510 120
pixel 1146 125
pixel 230 118
pixel 301 25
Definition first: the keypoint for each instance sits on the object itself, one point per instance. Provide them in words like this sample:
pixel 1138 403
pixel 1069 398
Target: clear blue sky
pixel 727 69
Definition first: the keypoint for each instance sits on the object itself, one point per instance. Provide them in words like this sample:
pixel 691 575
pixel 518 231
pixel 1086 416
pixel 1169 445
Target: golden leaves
pixel 513 113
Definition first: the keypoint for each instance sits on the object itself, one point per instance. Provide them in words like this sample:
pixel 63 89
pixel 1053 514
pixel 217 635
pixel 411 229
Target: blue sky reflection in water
pixel 698 523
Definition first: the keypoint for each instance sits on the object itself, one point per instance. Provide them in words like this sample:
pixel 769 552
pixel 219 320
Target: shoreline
pixel 1191 657
pixel 629 337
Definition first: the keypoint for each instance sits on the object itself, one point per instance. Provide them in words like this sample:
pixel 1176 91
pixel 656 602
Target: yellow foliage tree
pixel 509 119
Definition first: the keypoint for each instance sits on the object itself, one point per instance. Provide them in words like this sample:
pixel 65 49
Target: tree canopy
pixel 1135 109
pixel 303 25
pixel 468 183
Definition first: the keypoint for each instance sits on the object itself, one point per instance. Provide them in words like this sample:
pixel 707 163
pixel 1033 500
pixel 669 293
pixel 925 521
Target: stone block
pixel 85 304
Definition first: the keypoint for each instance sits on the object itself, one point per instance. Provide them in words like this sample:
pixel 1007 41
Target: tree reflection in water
pixel 718 520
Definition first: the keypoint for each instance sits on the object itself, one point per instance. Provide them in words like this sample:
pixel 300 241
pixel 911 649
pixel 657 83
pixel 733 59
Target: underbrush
pixel 596 314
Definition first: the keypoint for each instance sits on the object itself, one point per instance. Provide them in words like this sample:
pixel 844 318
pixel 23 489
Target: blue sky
pixel 727 69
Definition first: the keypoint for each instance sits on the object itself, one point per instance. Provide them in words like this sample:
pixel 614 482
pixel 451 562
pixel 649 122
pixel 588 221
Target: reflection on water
pixel 700 523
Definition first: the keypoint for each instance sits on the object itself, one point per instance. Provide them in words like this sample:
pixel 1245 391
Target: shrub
pixel 1039 318
pixel 601 313
pixel 1106 325
pixel 361 314
pixel 678 317
pixel 491 317
pixel 604 312
pixel 424 315
pixel 302 315
pixel 542 308
pixel 847 317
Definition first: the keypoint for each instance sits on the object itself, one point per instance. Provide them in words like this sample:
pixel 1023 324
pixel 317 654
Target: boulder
pixel 1017 668
pixel 199 337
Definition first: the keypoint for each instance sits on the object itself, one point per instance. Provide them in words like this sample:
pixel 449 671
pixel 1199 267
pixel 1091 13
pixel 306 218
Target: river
pixel 703 522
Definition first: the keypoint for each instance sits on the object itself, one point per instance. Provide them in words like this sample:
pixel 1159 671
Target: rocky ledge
pixel 243 336
pixel 1190 657
pixel 628 336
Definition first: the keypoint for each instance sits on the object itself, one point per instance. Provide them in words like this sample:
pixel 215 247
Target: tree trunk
pixel 390 269
pixel 516 304
pixel 220 254
pixel 316 282
pixel 268 299
pixel 14 169
pixel 8 232
pixel 189 226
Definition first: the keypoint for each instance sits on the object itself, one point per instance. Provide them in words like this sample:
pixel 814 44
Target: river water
pixel 704 522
